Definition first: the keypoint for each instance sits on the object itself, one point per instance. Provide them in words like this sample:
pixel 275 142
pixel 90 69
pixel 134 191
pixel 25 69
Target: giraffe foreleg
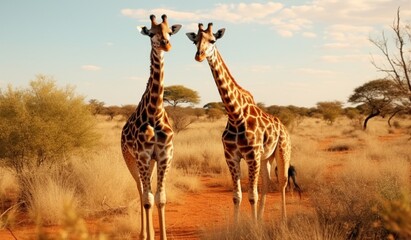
pixel 145 167
pixel 235 171
pixel 253 173
pixel 160 198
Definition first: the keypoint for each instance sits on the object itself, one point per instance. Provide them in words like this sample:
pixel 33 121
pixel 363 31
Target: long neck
pixel 233 95
pixel 153 95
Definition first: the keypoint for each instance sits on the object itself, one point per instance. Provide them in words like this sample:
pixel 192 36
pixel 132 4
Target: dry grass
pixel 9 194
pixel 356 180
pixel 198 150
pixel 46 194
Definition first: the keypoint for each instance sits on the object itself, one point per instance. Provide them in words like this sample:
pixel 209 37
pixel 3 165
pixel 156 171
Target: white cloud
pixel 285 33
pixel 340 23
pixel 346 58
pixel 309 35
pixel 143 14
pixel 90 68
pixel 343 34
pixel 312 71
pixel 234 13
pixel 243 12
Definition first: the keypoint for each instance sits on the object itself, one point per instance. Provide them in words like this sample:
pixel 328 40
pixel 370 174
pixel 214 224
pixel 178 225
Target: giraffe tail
pixel 293 174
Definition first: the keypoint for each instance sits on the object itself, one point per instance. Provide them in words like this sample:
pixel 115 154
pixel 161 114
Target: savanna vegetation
pixel 61 165
pixel 357 182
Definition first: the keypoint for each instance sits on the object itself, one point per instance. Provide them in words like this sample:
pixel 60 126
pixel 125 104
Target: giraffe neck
pixel 153 96
pixel 233 95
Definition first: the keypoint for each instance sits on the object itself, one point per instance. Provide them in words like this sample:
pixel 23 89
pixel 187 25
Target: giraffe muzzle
pixel 199 56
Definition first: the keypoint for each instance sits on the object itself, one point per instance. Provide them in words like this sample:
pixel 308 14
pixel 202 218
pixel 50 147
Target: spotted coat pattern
pixel 250 134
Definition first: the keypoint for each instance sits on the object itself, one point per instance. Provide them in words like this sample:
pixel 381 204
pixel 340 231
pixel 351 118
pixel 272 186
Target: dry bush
pixel 396 215
pixel 9 188
pixel 9 197
pixel 342 146
pixel 46 192
pixel 104 183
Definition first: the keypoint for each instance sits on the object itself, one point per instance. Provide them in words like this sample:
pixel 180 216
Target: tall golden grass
pixel 355 180
pixel 358 183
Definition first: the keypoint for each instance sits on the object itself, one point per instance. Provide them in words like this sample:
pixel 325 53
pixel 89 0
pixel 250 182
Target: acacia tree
pixel 215 110
pixel 42 124
pixel 397 64
pixel 178 94
pixel 379 97
pixel 330 110
pixel 96 106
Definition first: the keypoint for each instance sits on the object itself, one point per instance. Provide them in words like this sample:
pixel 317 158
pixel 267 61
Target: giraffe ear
pixel 219 34
pixel 175 28
pixel 192 36
pixel 143 30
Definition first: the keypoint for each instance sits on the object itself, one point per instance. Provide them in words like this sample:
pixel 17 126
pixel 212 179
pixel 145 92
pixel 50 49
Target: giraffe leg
pixel 145 167
pixel 160 199
pixel 132 167
pixel 234 167
pixel 266 180
pixel 253 172
pixel 283 162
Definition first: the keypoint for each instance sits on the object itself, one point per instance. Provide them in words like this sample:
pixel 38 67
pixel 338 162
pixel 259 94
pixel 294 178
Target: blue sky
pixel 284 52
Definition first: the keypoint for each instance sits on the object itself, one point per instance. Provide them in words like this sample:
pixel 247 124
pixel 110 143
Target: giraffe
pixel 250 134
pixel 147 135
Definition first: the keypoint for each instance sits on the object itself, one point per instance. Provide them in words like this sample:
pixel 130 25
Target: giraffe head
pixel 205 40
pixel 160 33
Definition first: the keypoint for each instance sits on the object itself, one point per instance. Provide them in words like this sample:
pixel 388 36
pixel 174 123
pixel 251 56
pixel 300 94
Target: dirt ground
pixel 194 216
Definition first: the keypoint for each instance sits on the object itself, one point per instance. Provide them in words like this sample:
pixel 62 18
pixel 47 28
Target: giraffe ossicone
pixel 250 134
pixel 147 136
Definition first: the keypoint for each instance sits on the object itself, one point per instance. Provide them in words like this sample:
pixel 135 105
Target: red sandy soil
pixel 195 215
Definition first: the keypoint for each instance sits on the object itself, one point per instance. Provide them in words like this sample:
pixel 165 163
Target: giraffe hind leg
pixel 132 167
pixel 266 181
pixel 283 161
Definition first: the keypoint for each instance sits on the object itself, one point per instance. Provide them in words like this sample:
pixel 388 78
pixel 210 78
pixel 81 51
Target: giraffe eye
pixel 212 41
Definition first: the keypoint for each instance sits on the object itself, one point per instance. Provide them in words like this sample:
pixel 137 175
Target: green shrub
pixel 42 124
